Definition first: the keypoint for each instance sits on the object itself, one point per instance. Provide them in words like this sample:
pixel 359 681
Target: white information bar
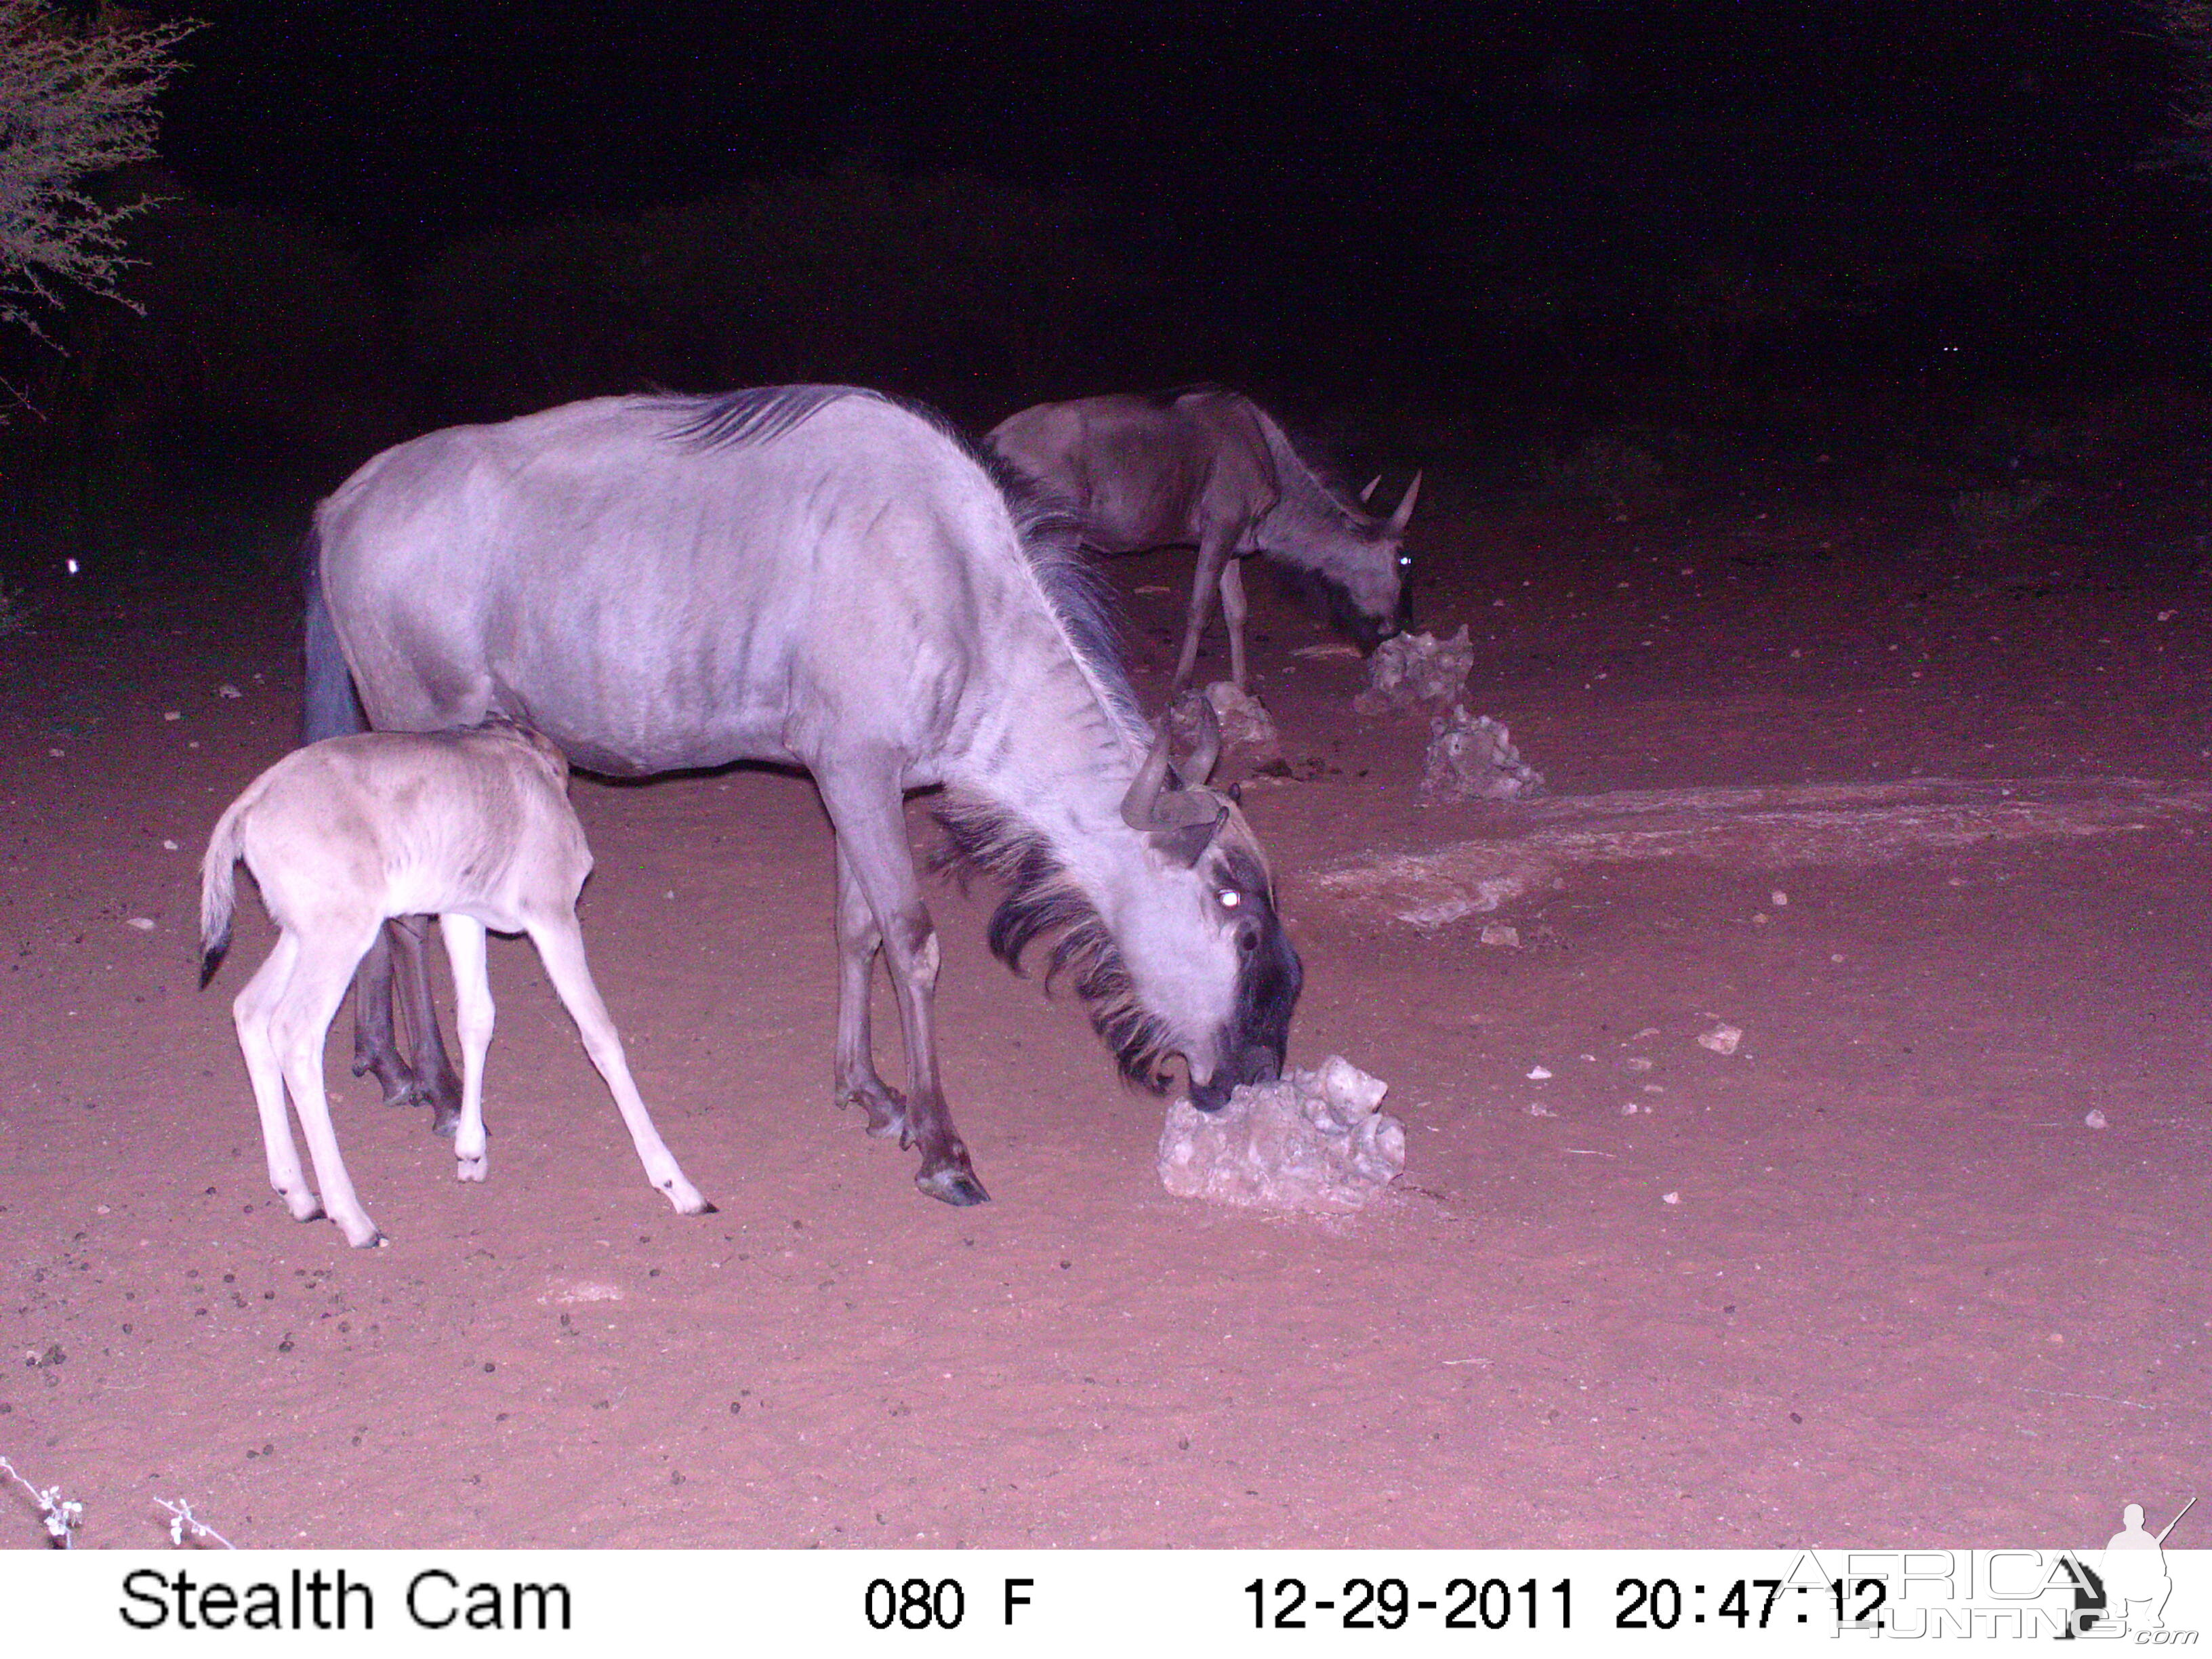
pixel 1079 1601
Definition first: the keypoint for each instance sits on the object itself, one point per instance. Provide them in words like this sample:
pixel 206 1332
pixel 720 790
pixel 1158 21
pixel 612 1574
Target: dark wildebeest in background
pixel 822 577
pixel 1207 468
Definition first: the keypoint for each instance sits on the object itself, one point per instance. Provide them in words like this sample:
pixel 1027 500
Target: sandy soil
pixel 1871 1278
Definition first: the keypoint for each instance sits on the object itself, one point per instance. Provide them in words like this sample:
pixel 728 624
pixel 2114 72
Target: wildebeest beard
pixel 1042 897
pixel 1332 600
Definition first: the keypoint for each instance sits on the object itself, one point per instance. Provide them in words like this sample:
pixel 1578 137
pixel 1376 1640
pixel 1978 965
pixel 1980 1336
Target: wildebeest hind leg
pixel 427 1075
pixel 863 796
pixel 375 1043
pixel 435 1080
pixel 858 940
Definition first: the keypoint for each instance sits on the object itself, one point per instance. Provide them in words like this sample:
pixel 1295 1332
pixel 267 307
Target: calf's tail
pixel 219 885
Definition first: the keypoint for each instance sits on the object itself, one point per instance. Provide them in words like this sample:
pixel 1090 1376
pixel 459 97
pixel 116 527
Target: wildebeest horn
pixel 1368 494
pixel 1208 750
pixel 1405 506
pixel 1150 807
pixel 1144 788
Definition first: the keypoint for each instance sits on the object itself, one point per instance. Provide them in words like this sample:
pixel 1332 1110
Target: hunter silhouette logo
pixel 2127 1589
pixel 2136 1582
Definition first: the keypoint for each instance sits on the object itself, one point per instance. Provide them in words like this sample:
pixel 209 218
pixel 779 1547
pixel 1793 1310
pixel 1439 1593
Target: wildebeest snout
pixel 1366 629
pixel 1254 1063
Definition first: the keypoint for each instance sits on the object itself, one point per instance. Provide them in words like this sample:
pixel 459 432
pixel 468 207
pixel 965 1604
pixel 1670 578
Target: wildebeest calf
pixel 473 826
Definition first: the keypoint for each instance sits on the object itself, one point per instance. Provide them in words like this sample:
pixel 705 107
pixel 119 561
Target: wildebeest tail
pixel 328 706
pixel 219 885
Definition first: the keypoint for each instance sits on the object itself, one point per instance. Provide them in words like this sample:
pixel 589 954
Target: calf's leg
pixel 302 1018
pixel 472 1022
pixel 561 947
pixel 251 1011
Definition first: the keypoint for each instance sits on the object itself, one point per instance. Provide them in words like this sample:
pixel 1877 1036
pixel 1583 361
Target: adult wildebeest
pixel 473 827
pixel 1207 468
pixel 820 576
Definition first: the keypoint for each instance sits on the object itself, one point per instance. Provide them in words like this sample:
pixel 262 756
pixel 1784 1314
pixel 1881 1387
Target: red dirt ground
pixel 1904 1295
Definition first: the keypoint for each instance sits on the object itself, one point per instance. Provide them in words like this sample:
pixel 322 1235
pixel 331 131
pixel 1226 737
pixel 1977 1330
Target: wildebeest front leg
pixel 1233 613
pixel 864 798
pixel 1213 558
pixel 858 940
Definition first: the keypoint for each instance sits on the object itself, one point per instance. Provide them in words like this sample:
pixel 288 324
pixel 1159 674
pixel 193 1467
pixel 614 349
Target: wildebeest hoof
pixel 399 1089
pixel 957 1187
pixel 886 1107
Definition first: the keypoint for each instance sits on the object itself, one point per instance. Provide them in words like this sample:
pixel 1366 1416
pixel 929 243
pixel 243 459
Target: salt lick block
pixel 1242 719
pixel 1409 669
pixel 1310 1141
pixel 1472 757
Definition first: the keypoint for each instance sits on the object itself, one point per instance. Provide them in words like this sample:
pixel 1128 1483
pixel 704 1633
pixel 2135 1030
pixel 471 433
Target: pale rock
pixel 1312 1140
pixel 1408 669
pixel 1472 757
pixel 1243 719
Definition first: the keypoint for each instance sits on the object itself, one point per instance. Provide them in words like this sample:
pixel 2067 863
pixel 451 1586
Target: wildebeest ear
pixel 1186 843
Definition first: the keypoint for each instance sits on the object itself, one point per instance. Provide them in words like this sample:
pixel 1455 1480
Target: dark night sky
pixel 1355 161
pixel 404 122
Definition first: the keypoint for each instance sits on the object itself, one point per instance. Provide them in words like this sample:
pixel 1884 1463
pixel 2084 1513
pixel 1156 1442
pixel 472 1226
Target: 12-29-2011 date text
pixel 1464 1603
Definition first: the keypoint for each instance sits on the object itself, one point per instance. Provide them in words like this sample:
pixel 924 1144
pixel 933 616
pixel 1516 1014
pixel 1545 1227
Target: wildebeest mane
pixel 1042 898
pixel 1322 488
pixel 754 415
pixel 1047 526
pixel 1051 534
pixel 1323 480
pixel 1176 394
